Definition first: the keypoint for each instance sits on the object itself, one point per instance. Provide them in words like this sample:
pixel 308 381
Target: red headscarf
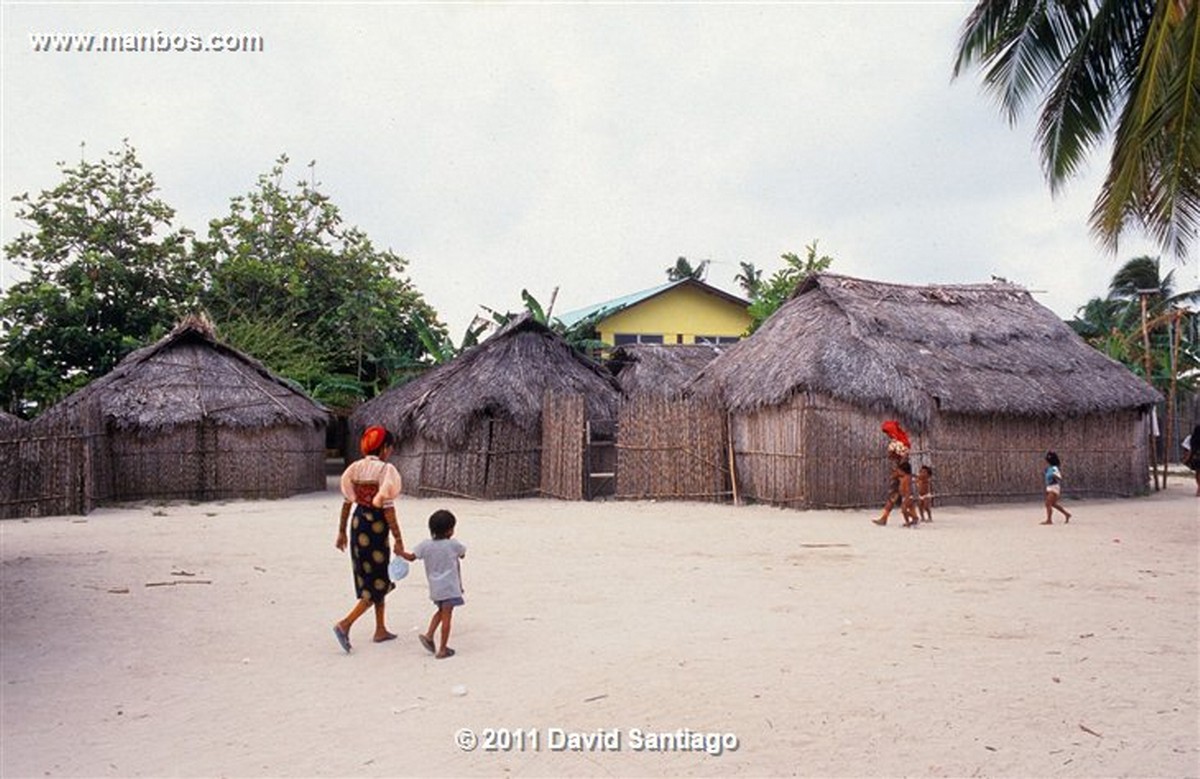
pixel 372 439
pixel 893 430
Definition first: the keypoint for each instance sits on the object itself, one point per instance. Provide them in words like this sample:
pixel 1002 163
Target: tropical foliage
pixel 766 296
pixel 1158 343
pixel 107 272
pixel 1128 70
pixel 683 269
pixel 288 281
pixel 282 276
pixel 581 335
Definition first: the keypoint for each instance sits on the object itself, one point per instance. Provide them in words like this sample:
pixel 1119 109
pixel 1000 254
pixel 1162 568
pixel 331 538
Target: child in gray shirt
pixel 442 555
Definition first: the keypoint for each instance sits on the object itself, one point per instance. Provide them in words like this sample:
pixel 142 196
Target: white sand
pixel 983 644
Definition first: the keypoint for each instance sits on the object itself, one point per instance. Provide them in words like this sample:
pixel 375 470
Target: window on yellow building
pixel 624 339
pixel 717 340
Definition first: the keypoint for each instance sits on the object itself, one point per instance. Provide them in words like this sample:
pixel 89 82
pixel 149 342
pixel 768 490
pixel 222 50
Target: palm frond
pixel 1017 38
pixel 1154 173
pixel 1099 55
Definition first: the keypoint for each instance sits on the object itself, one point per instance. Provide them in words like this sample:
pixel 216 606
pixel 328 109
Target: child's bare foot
pixel 447 652
pixel 880 521
pixel 384 636
pixel 427 642
pixel 1068 519
pixel 1047 522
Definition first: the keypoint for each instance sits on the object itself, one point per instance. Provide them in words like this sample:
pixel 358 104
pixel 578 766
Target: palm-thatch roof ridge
pixel 188 376
pixel 657 369
pixel 506 376
pixel 8 420
pixel 967 349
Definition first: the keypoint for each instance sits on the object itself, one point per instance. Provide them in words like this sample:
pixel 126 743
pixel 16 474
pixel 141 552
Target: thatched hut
pixel 190 418
pixel 662 371
pixel 474 426
pixel 985 378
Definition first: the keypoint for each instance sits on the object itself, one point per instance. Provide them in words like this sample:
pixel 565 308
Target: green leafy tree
pixel 683 269
pixel 1129 70
pixel 107 273
pixel 775 291
pixel 314 296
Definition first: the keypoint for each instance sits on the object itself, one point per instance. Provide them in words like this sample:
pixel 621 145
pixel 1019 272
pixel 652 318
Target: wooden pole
pixel 1172 422
pixel 1146 363
pixel 737 501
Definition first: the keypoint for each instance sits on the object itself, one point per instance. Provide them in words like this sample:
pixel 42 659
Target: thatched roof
pixel 506 376
pixel 10 421
pixel 656 369
pixel 188 376
pixel 965 349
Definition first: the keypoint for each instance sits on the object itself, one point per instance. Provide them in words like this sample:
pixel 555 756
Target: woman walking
pixel 370 486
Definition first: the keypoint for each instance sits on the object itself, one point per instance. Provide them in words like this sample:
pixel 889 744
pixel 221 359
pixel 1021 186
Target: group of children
pixel 913 493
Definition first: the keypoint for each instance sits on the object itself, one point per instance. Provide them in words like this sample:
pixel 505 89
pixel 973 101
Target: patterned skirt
pixel 369 554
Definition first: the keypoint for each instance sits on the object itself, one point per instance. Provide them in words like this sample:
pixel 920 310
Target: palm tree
pixel 1117 326
pixel 1126 67
pixel 682 269
pixel 1143 276
pixel 750 279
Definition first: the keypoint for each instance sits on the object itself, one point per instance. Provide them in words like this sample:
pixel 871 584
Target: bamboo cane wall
pixel 671 450
pixel 815 451
pixel 205 462
pixel 988 459
pixel 70 462
pixel 47 469
pixel 498 460
pixel 563 425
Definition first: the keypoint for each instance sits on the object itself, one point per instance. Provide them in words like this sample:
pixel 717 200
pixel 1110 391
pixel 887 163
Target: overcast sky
pixel 581 147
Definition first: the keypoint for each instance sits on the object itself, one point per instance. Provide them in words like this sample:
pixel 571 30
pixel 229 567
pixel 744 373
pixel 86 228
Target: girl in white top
pixel 1053 478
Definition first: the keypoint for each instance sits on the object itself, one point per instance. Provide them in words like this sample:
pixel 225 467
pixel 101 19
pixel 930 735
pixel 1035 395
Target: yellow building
pixel 678 312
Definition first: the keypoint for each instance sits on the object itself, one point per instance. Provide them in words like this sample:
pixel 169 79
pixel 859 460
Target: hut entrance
pixel 579 455
pixel 600 458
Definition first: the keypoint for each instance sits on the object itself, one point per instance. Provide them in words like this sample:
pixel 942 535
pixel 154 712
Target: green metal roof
pixel 616 304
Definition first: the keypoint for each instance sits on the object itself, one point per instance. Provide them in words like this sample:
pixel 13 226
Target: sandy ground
pixel 195 640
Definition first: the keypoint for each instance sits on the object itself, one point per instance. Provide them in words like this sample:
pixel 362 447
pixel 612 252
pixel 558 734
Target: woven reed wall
pixel 408 456
pixel 49 466
pixel 563 427
pixel 818 452
pixel 811 452
pixel 671 450
pixel 206 462
pixel 1002 458
pixel 498 460
pixel 769 455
